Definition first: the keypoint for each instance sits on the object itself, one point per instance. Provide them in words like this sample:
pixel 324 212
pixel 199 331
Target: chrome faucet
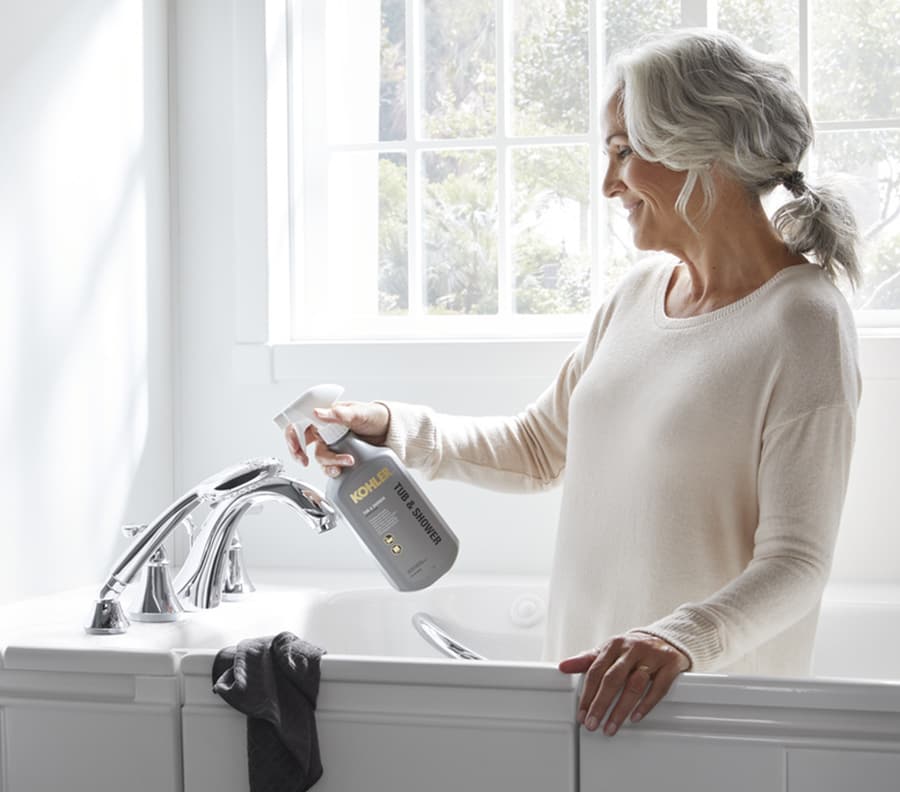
pixel 231 493
pixel 203 575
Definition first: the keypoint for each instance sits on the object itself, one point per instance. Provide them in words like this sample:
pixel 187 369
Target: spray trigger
pixel 302 414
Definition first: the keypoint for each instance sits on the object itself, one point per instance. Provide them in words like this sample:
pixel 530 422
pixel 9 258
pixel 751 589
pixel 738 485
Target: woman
pixel 705 424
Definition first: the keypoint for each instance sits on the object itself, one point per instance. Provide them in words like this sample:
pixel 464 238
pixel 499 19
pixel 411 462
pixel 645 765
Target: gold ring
pixel 643 668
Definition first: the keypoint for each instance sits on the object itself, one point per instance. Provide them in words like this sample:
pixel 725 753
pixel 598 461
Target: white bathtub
pixel 137 710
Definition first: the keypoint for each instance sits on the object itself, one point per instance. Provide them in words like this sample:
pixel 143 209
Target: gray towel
pixel 275 683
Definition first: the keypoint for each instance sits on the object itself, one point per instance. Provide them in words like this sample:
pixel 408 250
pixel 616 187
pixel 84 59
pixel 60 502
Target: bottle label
pixel 368 487
pixel 402 523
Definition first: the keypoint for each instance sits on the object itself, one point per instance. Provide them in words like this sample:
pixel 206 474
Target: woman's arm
pixel 803 474
pixel 523 452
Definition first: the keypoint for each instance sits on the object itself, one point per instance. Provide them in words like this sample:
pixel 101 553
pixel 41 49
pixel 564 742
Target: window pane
pixel 355 63
pixel 364 273
pixel 628 22
pixel 551 229
pixel 769 26
pixel 460 68
pixel 392 118
pixel 855 59
pixel 393 244
pixel 460 232
pixel 347 281
pixel 550 67
pixel 870 164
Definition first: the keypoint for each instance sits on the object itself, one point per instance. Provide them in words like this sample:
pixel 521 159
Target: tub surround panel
pixel 443 756
pixel 87 661
pixel 443 736
pixel 101 747
pixel 815 770
pixel 713 761
pixel 4 751
pixel 66 686
pixel 209 737
pixel 679 762
pixel 790 723
pixel 745 734
pixel 421 671
pixel 769 692
pixel 104 728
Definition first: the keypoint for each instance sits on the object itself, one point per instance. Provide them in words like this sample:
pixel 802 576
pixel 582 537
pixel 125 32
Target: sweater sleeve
pixel 802 481
pixel 525 452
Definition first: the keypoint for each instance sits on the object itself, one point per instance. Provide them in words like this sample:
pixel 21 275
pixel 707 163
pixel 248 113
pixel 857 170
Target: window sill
pixel 467 359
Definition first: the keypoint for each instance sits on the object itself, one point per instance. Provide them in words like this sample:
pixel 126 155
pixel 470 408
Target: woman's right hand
pixel 367 420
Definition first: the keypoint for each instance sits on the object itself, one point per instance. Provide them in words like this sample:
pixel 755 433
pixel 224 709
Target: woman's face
pixel 648 190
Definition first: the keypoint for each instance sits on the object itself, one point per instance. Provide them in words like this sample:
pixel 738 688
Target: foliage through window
pixel 447 158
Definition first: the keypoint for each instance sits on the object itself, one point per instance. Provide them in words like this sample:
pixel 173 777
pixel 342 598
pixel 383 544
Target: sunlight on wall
pixel 73 238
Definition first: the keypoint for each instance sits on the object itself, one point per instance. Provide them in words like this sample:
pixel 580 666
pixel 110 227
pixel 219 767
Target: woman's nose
pixel 612 184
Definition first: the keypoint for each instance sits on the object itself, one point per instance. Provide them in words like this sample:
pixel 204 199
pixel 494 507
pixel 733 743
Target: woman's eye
pixel 623 152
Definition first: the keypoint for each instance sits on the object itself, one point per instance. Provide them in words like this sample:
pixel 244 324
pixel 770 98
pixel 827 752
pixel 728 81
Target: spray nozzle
pixel 300 412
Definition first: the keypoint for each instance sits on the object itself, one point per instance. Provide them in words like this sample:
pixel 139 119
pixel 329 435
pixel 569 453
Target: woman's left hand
pixel 632 661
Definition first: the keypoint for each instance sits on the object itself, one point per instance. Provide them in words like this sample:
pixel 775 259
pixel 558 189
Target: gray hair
pixel 692 99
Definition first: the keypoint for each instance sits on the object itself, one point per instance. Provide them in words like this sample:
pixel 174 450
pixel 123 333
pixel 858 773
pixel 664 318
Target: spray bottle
pixel 379 499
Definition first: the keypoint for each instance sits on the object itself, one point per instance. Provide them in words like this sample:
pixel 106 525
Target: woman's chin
pixel 646 242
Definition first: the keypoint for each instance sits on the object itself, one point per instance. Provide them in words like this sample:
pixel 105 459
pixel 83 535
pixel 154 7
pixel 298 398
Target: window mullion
pixel 803 56
pixel 505 293
pixel 597 62
pixel 310 24
pixel 415 35
pixel 804 49
pixel 698 13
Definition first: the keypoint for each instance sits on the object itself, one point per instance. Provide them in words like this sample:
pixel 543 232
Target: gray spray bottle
pixel 379 499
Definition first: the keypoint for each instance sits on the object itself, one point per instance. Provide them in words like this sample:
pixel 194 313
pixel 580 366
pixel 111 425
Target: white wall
pixel 85 308
pixel 224 419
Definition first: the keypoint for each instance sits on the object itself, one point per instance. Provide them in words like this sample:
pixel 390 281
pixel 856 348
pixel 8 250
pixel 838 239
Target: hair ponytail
pixel 819 221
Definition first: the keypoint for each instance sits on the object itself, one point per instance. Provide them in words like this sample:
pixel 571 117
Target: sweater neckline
pixel 675 322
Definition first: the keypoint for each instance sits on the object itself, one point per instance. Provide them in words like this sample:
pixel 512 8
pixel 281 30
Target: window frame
pixel 265 201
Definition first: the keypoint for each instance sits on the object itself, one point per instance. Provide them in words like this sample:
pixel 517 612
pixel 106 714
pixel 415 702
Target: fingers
pixel 578 664
pixel 662 681
pixel 633 672
pixel 635 688
pixel 605 679
pixel 290 435
pixel 368 420
pixel 331 463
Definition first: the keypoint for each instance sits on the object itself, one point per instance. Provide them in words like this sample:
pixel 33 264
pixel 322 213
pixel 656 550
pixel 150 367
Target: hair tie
pixel 794 182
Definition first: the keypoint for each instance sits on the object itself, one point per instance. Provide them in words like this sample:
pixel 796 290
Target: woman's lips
pixel 632 208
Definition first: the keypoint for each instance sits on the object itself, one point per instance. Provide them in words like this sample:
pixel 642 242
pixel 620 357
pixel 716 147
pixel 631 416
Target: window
pixel 438 164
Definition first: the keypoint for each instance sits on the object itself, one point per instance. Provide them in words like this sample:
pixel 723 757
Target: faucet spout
pixel 200 580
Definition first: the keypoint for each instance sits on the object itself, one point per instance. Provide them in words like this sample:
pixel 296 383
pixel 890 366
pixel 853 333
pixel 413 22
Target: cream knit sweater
pixel 704 463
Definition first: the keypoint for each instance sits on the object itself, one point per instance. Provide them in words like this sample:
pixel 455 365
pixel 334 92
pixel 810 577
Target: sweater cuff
pixel 690 630
pixel 411 433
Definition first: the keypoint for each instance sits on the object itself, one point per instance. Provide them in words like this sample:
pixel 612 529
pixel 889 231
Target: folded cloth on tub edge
pixel 274 681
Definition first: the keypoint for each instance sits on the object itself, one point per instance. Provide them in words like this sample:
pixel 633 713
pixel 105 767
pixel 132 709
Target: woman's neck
pixel 736 251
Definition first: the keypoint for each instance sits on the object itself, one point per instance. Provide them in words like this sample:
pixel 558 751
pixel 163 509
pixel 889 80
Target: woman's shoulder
pixel 808 305
pixel 816 343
